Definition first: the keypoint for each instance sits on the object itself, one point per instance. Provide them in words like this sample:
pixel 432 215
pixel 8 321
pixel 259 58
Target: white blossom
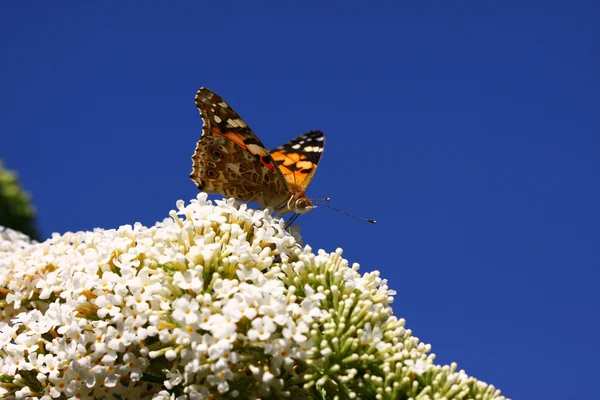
pixel 216 301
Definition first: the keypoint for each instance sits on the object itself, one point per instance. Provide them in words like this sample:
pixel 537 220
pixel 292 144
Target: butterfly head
pixel 298 204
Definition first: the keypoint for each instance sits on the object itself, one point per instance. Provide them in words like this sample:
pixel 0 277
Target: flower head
pixel 214 301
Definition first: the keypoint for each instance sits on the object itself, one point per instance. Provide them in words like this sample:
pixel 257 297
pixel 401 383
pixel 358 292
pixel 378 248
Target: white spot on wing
pixel 236 123
pixel 256 149
pixel 320 138
pixel 313 149
pixel 296 146
pixel 217 119
pixel 234 167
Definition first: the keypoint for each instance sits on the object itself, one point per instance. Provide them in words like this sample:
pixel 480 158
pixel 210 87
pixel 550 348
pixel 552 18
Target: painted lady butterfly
pixel 230 160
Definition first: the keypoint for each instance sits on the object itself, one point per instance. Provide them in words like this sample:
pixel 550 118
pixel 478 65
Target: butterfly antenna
pixel 371 221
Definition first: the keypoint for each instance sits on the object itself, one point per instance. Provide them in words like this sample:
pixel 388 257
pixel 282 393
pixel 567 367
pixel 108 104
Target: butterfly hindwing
pixel 298 159
pixel 223 169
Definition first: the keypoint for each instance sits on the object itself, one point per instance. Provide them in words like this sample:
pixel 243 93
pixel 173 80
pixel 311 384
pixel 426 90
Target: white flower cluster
pixel 216 301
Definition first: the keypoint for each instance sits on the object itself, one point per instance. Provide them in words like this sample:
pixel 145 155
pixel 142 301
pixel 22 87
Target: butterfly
pixel 230 160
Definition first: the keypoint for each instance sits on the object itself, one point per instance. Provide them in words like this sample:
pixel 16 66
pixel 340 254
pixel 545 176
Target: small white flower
pixel 262 328
pixel 220 326
pixel 246 274
pixel 295 331
pixel 190 279
pixel 220 380
pixel 218 349
pixel 135 326
pixel 65 385
pixel 186 310
pixel 371 335
pixel 234 309
pixel 132 366
pixel 139 300
pixel 49 365
pixel 224 288
pixel 110 305
pixel 419 366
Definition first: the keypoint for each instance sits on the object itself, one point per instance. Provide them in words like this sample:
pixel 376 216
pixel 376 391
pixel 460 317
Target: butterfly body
pixel 230 160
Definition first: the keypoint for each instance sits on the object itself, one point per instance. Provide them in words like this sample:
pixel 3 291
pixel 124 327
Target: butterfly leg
pixel 292 219
pixel 251 199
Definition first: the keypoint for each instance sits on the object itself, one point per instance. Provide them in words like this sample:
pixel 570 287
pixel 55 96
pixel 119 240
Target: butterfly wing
pixel 229 159
pixel 298 159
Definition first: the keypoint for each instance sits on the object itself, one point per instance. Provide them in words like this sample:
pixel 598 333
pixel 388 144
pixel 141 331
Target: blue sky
pixel 469 130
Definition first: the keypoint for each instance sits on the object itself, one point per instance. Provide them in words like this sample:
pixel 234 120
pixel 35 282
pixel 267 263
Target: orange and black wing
pixel 230 159
pixel 298 159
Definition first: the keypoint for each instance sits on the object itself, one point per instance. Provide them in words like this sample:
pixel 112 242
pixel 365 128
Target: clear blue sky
pixel 469 130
